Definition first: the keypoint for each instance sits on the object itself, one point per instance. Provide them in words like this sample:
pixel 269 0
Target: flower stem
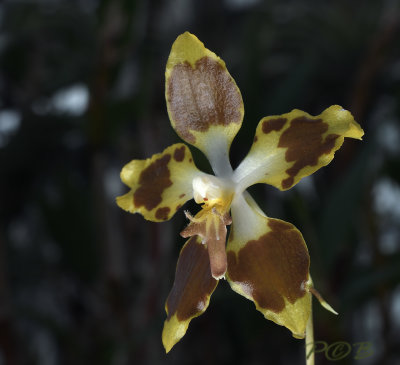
pixel 310 340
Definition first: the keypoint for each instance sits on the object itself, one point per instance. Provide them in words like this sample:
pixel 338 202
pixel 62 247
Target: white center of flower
pixel 207 188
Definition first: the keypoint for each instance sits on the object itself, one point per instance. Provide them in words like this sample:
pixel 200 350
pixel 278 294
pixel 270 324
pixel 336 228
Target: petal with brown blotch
pixel 291 146
pixel 159 184
pixel 268 263
pixel 191 292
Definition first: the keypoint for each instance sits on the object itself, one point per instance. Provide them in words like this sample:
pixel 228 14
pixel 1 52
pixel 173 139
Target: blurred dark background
pixel 82 93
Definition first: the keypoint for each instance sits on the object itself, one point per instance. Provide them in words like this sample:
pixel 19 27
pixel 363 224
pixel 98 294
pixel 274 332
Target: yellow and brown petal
pixel 268 263
pixel 290 146
pixel 191 292
pixel 159 185
pixel 204 103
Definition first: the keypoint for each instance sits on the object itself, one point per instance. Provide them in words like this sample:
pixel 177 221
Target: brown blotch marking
pixel 181 196
pixel 153 180
pixel 202 96
pixel 178 207
pixel 273 267
pixel 304 143
pixel 273 125
pixel 255 139
pixel 179 154
pixel 162 213
pixel 193 282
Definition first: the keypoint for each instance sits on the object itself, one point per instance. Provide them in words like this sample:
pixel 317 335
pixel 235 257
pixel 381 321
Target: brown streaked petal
pixel 291 146
pixel 159 184
pixel 268 263
pixel 204 104
pixel 191 292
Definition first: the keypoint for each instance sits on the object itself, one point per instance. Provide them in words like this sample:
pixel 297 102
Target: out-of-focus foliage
pixel 82 93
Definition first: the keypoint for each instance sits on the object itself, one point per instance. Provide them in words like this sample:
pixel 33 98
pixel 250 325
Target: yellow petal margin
pixel 268 263
pixel 204 103
pixel 191 292
pixel 290 146
pixel 159 185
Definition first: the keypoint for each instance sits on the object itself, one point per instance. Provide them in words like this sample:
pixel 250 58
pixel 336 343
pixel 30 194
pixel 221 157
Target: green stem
pixel 309 341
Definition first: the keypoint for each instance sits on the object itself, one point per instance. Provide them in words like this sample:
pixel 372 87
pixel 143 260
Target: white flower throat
pixel 212 190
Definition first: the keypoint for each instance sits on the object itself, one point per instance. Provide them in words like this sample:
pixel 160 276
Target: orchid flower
pixel 265 259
